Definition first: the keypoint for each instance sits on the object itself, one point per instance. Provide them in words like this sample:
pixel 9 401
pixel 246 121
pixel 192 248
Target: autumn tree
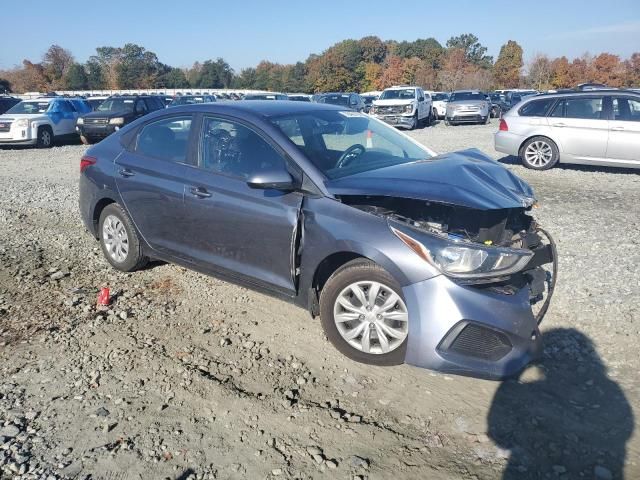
pixel 560 77
pixel 56 62
pixel 608 69
pixel 393 72
pixel 373 50
pixel 540 73
pixel 506 70
pixel 474 51
pixel 632 67
pixel 454 69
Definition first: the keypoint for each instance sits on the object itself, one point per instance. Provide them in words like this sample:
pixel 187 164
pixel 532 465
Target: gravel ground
pixel 186 376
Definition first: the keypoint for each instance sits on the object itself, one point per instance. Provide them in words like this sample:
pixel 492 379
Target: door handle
pixel 199 192
pixel 125 172
pixel 558 124
pixel 617 129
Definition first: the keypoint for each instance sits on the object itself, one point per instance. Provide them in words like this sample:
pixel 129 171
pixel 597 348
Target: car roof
pixel 588 93
pixel 467 91
pixel 258 107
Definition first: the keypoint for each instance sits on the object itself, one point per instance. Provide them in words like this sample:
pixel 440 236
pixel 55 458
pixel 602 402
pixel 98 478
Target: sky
pixel 245 32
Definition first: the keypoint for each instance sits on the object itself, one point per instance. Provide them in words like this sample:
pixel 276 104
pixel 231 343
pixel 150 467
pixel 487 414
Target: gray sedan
pixel 404 255
pixel 600 127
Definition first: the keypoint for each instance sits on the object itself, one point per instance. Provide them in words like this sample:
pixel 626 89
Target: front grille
pixel 466 118
pixel 5 126
pixel 390 109
pixel 96 121
pixel 481 342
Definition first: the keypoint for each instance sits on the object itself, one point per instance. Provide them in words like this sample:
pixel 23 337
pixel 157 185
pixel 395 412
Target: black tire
pixel 434 114
pixel 416 121
pixel 45 137
pixel 354 271
pixel 135 259
pixel 555 153
pixel 486 120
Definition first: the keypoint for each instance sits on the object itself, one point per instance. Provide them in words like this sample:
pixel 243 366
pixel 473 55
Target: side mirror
pixel 276 179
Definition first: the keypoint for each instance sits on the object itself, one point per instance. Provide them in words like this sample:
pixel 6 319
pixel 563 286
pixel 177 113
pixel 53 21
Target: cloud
pixel 629 27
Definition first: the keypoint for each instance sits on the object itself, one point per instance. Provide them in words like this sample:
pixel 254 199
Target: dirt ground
pixel 185 376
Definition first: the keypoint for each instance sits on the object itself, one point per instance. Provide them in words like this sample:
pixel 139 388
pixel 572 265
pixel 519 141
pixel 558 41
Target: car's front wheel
pixel 120 243
pixel 539 153
pixel 45 137
pixel 364 315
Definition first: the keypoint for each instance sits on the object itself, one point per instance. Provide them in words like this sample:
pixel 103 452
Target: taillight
pixel 87 161
pixel 503 126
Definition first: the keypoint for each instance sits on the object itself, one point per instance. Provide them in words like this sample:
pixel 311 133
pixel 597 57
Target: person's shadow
pixel 571 422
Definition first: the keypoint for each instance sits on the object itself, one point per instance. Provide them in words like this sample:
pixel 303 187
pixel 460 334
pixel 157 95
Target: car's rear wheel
pixel 45 137
pixel 364 315
pixel 120 243
pixel 539 153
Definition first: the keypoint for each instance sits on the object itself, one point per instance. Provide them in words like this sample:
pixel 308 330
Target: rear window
pixel 536 108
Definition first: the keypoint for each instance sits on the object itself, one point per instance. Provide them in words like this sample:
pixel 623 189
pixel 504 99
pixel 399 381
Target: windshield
pixel 440 97
pixel 116 105
pixel 335 99
pixel 342 143
pixel 496 97
pixel 188 100
pixel 399 94
pixel 368 100
pixel 457 96
pixel 29 107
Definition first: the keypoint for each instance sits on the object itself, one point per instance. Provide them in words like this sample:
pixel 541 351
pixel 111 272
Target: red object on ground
pixel 103 296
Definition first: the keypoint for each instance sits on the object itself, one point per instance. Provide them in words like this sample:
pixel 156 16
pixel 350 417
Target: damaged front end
pixel 499 250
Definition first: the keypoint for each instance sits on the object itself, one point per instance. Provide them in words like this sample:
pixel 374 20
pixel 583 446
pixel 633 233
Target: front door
pixel 624 131
pixel 581 127
pixel 150 179
pixel 240 231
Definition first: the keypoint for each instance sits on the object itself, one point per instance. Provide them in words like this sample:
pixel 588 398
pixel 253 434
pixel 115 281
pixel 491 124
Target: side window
pixel 581 107
pixel 141 107
pixel 165 139
pixel 65 107
pixel 151 104
pixel 558 110
pixel 626 109
pixel 232 149
pixel 536 108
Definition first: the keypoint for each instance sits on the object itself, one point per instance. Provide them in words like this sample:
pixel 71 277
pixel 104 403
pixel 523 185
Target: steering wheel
pixel 350 155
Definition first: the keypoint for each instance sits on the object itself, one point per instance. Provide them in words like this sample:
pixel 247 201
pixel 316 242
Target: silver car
pixel 592 128
pixel 467 106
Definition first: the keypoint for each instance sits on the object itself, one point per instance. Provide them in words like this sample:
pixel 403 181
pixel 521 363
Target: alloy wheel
pixel 115 238
pixel 46 138
pixel 538 153
pixel 371 317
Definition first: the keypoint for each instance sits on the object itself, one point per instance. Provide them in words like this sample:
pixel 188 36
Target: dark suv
pixel 343 99
pixel 113 114
pixel 7 102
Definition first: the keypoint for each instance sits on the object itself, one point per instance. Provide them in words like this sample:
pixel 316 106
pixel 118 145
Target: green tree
pixel 5 86
pixel 213 74
pixel 246 78
pixel 506 70
pixel 76 77
pixel 373 50
pixel 173 77
pixel 137 67
pixel 95 78
pixel 427 49
pixel 473 50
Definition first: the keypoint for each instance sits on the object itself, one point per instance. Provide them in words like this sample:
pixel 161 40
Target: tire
pixel 45 137
pixel 87 140
pixel 447 122
pixel 486 120
pixel 416 122
pixel 434 114
pixel 365 273
pixel 429 119
pixel 548 157
pixel 118 219
pixel 495 113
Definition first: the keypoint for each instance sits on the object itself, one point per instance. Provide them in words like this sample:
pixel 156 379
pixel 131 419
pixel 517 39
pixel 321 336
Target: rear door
pixel 150 178
pixel 64 118
pixel 580 126
pixel 624 130
pixel 243 232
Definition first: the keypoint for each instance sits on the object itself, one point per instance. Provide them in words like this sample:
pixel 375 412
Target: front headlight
pixel 408 108
pixel 116 121
pixel 22 123
pixel 465 260
pixel 80 121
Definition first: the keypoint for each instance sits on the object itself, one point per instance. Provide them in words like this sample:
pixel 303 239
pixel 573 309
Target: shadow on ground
pixel 571 421
pixel 512 160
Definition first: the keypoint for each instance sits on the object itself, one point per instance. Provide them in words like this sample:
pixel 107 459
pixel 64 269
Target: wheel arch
pixel 529 137
pixel 97 211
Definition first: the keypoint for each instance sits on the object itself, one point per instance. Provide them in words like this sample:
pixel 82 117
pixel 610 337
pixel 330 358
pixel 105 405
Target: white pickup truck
pixel 403 106
pixel 41 121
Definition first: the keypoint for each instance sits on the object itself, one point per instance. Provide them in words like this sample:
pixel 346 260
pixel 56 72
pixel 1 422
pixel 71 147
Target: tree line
pixel 350 65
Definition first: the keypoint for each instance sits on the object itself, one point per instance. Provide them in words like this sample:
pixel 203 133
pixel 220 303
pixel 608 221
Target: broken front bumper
pixel 398 120
pixel 478 331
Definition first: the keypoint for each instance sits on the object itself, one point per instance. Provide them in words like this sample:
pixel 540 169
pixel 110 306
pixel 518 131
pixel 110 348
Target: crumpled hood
pixel 393 101
pixel 467 178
